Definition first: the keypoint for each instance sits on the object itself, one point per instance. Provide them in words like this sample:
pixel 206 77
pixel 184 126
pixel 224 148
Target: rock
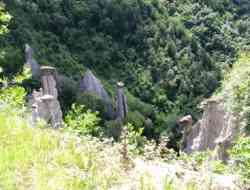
pixel 48 79
pixel 122 107
pixel 91 84
pixel 215 131
pixel 186 120
pixel 44 102
pixel 31 62
pixel 149 123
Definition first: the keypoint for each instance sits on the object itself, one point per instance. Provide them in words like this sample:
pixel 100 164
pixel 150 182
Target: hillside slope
pixel 235 90
pixel 169 54
pixel 43 158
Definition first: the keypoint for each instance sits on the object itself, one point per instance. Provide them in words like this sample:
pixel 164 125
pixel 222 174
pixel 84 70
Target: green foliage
pixel 113 129
pixel 241 155
pixel 168 184
pixel 170 54
pixel 11 60
pixel 4 19
pixel 219 167
pixel 146 182
pixel 192 186
pixel 51 159
pixel 135 104
pixel 247 111
pixel 153 46
pixel 196 159
pixel 92 102
pixel 236 87
pixel 134 137
pixel 67 92
pixel 13 96
pixel 136 119
pixel 48 159
pixel 83 121
pixel 166 125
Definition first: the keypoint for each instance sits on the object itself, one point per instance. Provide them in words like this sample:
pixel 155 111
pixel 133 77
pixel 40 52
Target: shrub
pixel 13 96
pixel 67 91
pixel 83 121
pixel 136 104
pixel 136 119
pixel 113 129
pixel 11 61
pixel 219 167
pixel 241 155
pixel 4 19
pixel 136 141
pixel 32 158
pixel 92 101
pixel 168 184
pixel 247 110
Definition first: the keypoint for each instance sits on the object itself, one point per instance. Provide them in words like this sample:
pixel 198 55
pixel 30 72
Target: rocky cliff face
pixel 91 84
pixel 216 130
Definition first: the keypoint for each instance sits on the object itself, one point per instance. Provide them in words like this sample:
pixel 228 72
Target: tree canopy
pixel 170 54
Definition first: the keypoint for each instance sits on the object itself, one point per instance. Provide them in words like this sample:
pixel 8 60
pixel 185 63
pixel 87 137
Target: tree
pixel 4 19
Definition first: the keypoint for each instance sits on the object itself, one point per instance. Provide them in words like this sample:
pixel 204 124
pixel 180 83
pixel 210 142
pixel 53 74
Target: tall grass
pixel 45 159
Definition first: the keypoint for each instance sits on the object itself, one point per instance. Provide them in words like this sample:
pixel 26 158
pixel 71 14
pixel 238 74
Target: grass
pixel 234 88
pixel 47 159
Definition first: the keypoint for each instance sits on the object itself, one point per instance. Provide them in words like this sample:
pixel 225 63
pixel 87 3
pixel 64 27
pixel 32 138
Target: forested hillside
pixel 127 94
pixel 170 55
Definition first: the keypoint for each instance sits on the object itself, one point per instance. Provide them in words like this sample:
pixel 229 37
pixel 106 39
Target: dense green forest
pixel 170 54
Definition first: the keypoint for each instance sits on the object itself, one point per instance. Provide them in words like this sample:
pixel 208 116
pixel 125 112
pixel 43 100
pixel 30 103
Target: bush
pixel 4 19
pixel 241 155
pixel 113 129
pixel 219 167
pixel 49 159
pixel 136 119
pixel 13 96
pixel 134 138
pixel 11 61
pixel 67 91
pixel 92 101
pixel 83 121
pixel 136 104
pixel 166 125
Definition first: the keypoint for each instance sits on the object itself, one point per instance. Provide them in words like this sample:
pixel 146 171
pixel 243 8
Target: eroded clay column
pixel 122 107
pixel 49 81
pixel 50 94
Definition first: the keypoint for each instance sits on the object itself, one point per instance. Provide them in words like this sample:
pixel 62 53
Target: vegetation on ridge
pixel 169 54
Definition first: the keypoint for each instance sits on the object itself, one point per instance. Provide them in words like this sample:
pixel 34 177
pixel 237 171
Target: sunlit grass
pixel 47 159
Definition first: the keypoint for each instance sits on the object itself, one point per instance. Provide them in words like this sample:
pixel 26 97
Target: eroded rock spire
pixel 91 84
pixel 215 131
pixel 122 107
pixel 31 62
pixel 45 104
